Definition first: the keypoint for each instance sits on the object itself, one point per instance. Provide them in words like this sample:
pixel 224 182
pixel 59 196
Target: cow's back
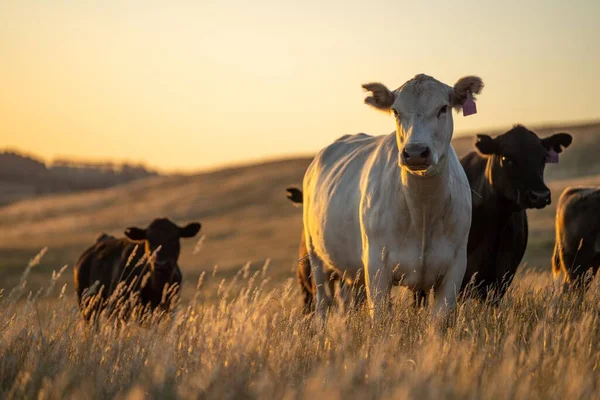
pixel 102 262
pixel 577 245
pixel 332 196
pixel 578 216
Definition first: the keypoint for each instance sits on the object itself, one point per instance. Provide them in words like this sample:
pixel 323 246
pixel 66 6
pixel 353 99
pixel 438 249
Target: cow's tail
pixel 295 195
pixel 556 261
pixel 559 271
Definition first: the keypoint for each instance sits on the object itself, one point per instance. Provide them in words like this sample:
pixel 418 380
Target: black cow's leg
pixel 420 298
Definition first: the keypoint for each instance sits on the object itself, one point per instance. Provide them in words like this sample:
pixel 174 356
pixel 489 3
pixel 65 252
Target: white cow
pixel 397 206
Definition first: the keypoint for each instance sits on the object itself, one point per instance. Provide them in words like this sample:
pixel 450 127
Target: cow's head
pixel 164 234
pixel 516 161
pixel 422 110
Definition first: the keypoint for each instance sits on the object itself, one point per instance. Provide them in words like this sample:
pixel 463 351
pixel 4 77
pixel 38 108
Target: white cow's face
pixel 422 108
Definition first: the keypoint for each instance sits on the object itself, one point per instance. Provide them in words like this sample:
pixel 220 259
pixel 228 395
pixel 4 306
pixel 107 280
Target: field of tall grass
pixel 251 341
pixel 238 330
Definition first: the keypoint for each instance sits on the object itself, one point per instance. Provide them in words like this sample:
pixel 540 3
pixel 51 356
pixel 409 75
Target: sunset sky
pixel 184 85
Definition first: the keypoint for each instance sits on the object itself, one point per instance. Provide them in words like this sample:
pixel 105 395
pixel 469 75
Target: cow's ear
pixel 462 88
pixel 190 230
pixel 381 97
pixel 486 145
pixel 557 142
pixel 135 234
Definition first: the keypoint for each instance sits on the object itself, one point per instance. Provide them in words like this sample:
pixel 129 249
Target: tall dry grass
pixel 254 343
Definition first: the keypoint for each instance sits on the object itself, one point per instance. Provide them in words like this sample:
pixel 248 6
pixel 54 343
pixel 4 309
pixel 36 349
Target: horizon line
pixel 261 159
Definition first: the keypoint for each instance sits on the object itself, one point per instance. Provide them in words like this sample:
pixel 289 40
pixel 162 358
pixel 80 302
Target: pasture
pixel 239 332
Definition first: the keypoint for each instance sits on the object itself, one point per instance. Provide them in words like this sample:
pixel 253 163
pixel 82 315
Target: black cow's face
pixel 164 234
pixel 517 161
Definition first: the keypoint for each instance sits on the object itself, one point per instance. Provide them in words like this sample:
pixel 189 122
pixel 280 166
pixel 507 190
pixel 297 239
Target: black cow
pixel 147 272
pixel 577 246
pixel 506 175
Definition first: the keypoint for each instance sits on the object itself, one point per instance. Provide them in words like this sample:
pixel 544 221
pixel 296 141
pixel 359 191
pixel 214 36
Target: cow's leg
pixel 420 298
pixel 379 283
pixel 447 290
pixel 577 264
pixel 319 281
pixel 345 295
pixel 359 294
pixel 352 292
pixel 331 279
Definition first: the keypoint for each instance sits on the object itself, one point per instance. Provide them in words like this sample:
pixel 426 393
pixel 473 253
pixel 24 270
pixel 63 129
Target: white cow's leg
pixel 345 295
pixel 320 280
pixel 447 290
pixel 379 284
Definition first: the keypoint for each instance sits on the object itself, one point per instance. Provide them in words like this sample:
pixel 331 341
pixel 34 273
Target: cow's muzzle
pixel 416 157
pixel 538 198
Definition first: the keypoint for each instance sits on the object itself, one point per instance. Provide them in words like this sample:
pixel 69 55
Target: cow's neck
pixel 153 290
pixel 493 200
pixel 157 277
pixel 426 197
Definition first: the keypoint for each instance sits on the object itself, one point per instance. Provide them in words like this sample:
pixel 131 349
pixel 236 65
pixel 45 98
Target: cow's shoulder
pixel 348 153
pixel 110 247
pixel 105 251
pixel 459 204
pixel 353 137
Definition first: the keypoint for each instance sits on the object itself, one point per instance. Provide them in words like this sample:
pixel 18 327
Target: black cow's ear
pixel 486 145
pixel 557 142
pixel 190 230
pixel 135 234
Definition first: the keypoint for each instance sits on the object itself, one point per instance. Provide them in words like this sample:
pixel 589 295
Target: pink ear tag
pixel 552 157
pixel 469 107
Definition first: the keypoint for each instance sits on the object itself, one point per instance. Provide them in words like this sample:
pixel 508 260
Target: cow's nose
pixel 539 198
pixel 416 154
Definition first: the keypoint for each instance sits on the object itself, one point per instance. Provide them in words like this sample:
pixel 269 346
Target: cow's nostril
pixel 425 153
pixel 405 154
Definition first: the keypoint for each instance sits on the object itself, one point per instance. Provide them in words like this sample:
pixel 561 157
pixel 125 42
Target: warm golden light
pixel 186 85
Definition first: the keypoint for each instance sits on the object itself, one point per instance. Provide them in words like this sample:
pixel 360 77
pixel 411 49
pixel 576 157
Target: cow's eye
pixel 506 160
pixel 442 111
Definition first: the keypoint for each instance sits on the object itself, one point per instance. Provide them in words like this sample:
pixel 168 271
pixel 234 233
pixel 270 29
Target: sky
pixel 188 85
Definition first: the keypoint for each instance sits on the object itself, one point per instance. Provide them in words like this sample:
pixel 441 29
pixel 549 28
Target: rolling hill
pixel 244 212
pixel 23 176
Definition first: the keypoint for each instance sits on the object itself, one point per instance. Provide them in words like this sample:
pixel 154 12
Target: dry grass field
pixel 238 331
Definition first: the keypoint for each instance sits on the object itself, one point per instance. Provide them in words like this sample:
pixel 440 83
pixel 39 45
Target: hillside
pixel 23 176
pixel 244 212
